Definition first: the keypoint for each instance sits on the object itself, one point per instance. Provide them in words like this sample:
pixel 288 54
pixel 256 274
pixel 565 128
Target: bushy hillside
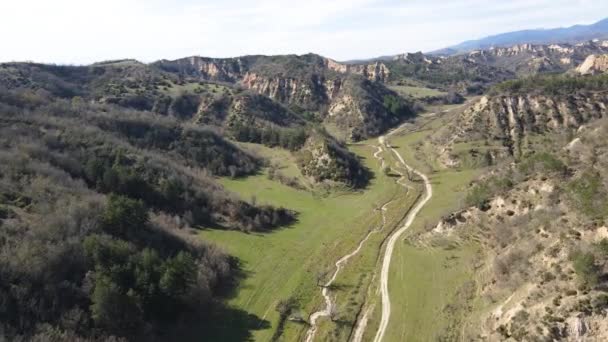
pixel 541 223
pixel 96 202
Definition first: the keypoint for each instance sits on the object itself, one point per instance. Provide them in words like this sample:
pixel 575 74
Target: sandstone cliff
pixel 512 118
pixel 540 224
pixel 529 59
pixel 351 95
pixel 594 64
pixel 377 71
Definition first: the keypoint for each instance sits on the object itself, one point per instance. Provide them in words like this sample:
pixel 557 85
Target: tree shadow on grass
pixel 338 287
pixel 220 323
pixel 229 288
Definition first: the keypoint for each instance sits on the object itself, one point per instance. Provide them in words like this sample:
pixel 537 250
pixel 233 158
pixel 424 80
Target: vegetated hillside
pixel 517 113
pixel 95 205
pixel 308 84
pixel 238 108
pixel 448 73
pixel 573 34
pixel 541 222
pixel 242 115
pixel 126 83
pixel 322 158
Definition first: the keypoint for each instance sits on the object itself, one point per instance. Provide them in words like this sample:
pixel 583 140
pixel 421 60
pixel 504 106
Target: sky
pixel 87 31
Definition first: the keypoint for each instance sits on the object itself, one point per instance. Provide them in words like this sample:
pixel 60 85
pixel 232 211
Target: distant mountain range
pixel 571 34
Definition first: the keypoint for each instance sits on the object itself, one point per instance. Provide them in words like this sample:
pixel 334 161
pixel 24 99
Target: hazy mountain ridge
pixel 573 34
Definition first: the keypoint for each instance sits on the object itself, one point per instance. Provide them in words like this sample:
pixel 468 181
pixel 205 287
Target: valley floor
pixel 284 264
pixel 288 264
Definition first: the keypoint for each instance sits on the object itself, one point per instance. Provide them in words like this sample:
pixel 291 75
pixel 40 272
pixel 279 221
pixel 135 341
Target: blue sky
pixel 85 31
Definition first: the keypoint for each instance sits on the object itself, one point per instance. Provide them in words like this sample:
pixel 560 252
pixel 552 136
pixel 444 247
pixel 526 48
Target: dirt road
pixel 386 263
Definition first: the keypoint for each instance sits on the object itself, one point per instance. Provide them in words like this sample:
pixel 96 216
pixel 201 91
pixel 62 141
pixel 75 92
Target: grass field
pixel 283 159
pixel 416 92
pixel 423 281
pixel 283 264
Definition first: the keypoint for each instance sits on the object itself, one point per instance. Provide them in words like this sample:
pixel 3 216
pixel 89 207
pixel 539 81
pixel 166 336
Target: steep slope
pixel 157 160
pixel 476 71
pixel 541 225
pixel 307 83
pixel 594 64
pixel 245 108
pixel 520 111
pixel 456 73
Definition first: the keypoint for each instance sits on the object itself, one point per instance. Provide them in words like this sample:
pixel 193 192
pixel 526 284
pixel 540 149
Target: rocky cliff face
pixel 225 70
pixel 527 59
pixel 511 119
pixel 377 71
pixel 309 93
pixel 534 225
pixel 360 108
pixel 349 94
pixel 594 64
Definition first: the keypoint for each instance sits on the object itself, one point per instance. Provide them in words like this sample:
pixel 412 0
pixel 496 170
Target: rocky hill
pixel 476 71
pixel 529 59
pixel 594 64
pixel 323 159
pixel 308 83
pixel 519 112
pixel 541 274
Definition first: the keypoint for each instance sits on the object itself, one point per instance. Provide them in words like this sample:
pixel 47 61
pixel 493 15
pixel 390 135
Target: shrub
pixel 589 195
pixel 585 267
pixel 484 190
pixel 479 196
pixel 542 162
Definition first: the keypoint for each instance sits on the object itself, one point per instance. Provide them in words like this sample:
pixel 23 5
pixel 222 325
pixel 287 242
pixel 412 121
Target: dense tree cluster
pixel 95 205
pixel 73 264
pixel 289 138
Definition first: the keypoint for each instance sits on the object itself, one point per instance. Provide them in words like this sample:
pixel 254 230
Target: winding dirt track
pixel 386 305
pixel 386 263
pixel 329 303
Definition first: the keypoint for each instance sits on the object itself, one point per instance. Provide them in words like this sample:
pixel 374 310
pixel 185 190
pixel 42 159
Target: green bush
pixel 602 247
pixel 397 106
pixel 585 267
pixel 483 191
pixel 589 195
pixel 542 162
pixel 479 196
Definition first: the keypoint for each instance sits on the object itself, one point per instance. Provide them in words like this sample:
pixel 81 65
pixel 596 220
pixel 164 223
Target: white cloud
pixel 84 31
